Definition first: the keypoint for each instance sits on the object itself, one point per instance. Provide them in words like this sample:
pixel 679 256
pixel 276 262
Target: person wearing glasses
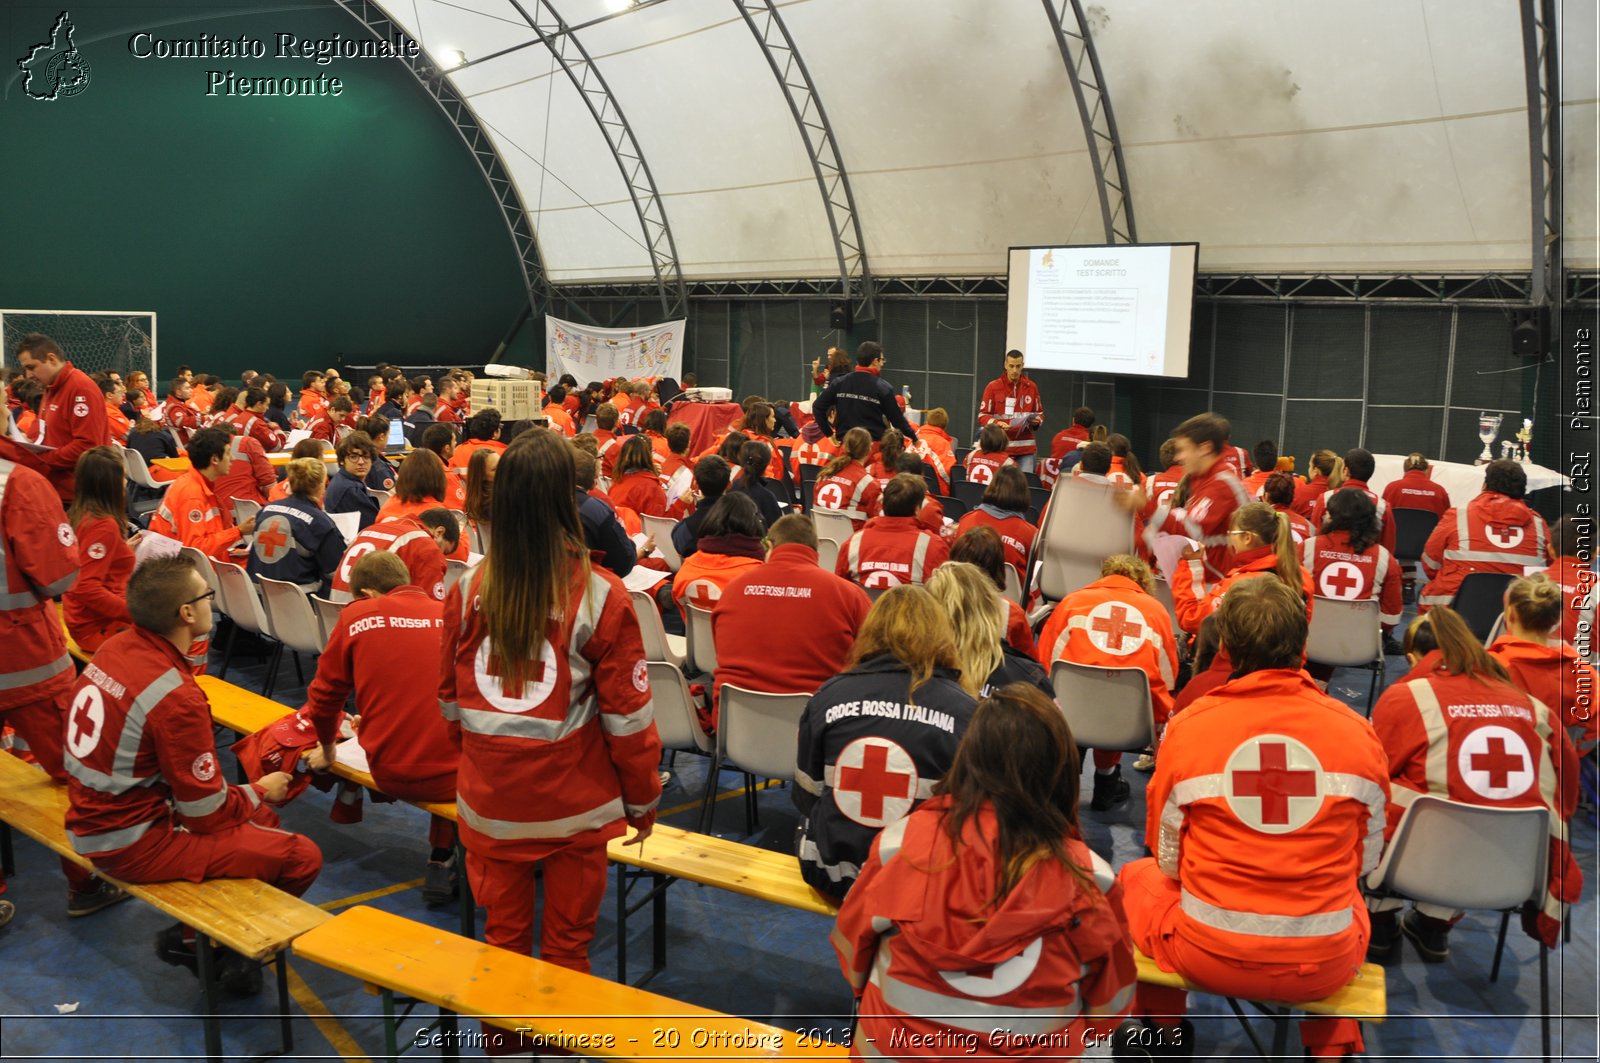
pixel 149 801
pixel 862 399
pixel 347 490
pixel 1262 545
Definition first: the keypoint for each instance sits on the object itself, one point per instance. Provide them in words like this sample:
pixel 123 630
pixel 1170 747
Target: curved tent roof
pixel 1371 135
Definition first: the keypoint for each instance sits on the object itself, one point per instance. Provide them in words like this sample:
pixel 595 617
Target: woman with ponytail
pixel 544 691
pixel 1261 544
pixel 844 485
pixel 1346 562
pixel 883 466
pixel 1541 665
pixel 1502 749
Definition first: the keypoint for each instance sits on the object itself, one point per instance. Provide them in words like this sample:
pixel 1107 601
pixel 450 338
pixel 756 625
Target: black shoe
pixel 1430 936
pixel 103 895
pixel 1392 647
pixel 172 949
pixel 1110 791
pixel 1385 935
pixel 237 974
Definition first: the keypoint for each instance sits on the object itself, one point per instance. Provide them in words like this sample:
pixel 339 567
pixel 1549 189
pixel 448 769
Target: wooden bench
pixel 1365 999
pixel 591 1016
pixel 245 915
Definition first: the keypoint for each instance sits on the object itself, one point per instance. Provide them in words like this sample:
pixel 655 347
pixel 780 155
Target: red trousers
pixel 440 788
pixel 40 728
pixel 574 885
pixel 1151 900
pixel 258 849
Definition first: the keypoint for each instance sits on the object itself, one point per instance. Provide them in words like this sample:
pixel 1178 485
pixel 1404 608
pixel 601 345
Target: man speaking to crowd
pixel 862 399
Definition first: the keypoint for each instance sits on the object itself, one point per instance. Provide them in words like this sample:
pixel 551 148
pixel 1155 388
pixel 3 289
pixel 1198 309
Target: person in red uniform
pixel 607 441
pixel 1577 582
pixel 1012 402
pixel 990 456
pixel 1266 808
pixel 728 544
pixel 545 692
pixel 1214 493
pixel 149 801
pixel 893 549
pixel 1265 454
pixel 1358 466
pixel 422 543
pixel 251 475
pixel 1074 435
pixel 1261 544
pixel 1327 473
pixel 1115 622
pixel 178 415
pixel 96 607
pixel 1495 532
pixel 931 515
pixel 1415 489
pixel 1546 668
pixel 1455 727
pixel 250 414
pixel 844 485
pixel 1005 509
pixel 420 486
pixel 637 485
pixel 982 547
pixel 936 446
pixel 1159 487
pixel 73 411
pixel 117 422
pixel 983 910
pixel 1277 491
pixel 818 451
pixel 408 750
pixel 1345 560
pixel 448 408
pixel 313 395
pixel 190 511
pixel 555 412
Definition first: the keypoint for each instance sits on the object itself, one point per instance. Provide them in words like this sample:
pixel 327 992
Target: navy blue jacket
pixel 347 494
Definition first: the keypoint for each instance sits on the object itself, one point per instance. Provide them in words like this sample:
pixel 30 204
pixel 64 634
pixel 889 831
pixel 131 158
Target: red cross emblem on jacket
pixel 273 539
pixel 1273 783
pixel 875 781
pixel 1340 580
pixel 1495 762
pixel 1116 627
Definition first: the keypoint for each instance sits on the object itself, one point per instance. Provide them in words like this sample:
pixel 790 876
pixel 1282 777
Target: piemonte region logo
pixel 55 68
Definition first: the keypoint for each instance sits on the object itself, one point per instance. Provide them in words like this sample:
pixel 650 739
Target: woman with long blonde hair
pixel 899 707
pixel 1536 659
pixel 978 617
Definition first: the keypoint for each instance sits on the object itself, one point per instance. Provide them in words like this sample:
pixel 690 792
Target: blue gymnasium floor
pixel 725 951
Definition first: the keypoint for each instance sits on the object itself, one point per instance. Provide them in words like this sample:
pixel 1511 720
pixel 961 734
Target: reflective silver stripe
pixel 919 556
pixel 810 854
pixel 507 830
pixel 853 551
pixel 450 710
pixel 924 786
pixel 890 839
pixel 59 587
pixel 1492 557
pixel 1431 600
pixel 632 723
pixel 25 598
pixel 1436 767
pixel 110 841
pixel 489 722
pixel 1369 793
pixel 205 805
pixel 964 1012
pixel 1260 924
pixel 1081 622
pixel 639 810
pixel 1382 574
pixel 860 489
pixel 251 796
pixel 14 680
pixel 1185 792
pixel 122 778
pixel 807 783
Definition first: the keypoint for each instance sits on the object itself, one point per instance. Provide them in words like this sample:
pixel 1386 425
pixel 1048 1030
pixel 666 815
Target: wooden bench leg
pixel 206 957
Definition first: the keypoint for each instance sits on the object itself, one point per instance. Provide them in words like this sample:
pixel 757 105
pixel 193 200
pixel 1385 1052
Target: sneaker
pixel 1385 935
pixel 1110 791
pixel 440 884
pixel 1430 936
pixel 1146 763
pixel 1392 647
pixel 104 895
pixel 237 974
pixel 8 911
pixel 173 950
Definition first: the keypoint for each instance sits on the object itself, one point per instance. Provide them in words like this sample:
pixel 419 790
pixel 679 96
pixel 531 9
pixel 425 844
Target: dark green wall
pixel 267 233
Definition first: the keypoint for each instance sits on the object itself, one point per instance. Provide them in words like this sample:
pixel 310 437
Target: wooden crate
pixel 517 400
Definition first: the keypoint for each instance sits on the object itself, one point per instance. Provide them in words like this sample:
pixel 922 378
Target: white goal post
pixel 94 340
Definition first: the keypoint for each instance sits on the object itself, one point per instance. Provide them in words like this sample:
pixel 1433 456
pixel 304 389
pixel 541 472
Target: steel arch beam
pixel 1099 124
pixel 855 278
pixel 1539 50
pixel 495 174
pixel 575 61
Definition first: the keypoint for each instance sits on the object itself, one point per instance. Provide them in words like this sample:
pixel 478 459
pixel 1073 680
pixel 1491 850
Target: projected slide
pixel 1114 310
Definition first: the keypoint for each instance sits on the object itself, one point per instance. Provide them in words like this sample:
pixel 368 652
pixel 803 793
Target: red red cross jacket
pixel 250 476
pixel 1492 533
pixel 938 968
pixel 610 446
pixel 981 467
pixel 1306 494
pixel 1483 742
pixel 819 454
pixel 891 552
pixel 1577 583
pixel 74 415
pixel 716 562
pixel 1194 600
pixel 1067 440
pixel 182 418
pixel 1556 676
pixel 1267 806
pixel 140 751
pixel 1113 623
pixel 572 755
pixel 263 431
pixel 1204 517
pixel 1339 572
pixel 38 560
pixel 401 729
pixel 1299 528
pixel 788 593
pixel 191 513
pixel 1238 459
pixel 407 539
pixel 1016 534
pixel 1415 490
pixel 851 491
pixel 1319 509
pixel 97 605
pixel 1158 488
pixel 1003 399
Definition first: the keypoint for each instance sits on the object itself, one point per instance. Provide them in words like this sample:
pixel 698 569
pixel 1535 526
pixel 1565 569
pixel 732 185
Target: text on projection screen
pixel 1115 309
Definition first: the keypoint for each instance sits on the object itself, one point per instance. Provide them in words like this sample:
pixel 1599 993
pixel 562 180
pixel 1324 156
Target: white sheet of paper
pixel 644 579
pixel 295 436
pixel 473 559
pixel 154 544
pixel 351 755
pixel 349 524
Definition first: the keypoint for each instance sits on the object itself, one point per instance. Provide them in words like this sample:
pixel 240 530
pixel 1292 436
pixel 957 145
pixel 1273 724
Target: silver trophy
pixel 1488 428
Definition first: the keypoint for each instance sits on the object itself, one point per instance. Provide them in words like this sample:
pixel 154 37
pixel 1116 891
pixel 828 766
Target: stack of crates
pixel 517 400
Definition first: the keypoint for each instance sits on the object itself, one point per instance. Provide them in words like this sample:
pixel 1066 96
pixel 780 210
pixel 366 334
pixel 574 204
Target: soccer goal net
pixel 94 340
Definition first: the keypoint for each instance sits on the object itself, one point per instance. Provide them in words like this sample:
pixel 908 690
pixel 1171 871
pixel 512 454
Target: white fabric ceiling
pixel 1377 135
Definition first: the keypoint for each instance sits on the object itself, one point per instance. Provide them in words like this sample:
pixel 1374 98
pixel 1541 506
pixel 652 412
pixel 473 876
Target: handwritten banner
pixel 591 353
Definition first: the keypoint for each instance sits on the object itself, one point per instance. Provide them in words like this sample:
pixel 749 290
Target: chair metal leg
pixel 300 676
pixel 447 1026
pixel 712 776
pixel 206 958
pixel 1544 1001
pixel 1500 946
pixel 750 822
pixel 622 926
pixel 1280 1032
pixel 227 650
pixel 391 1040
pixel 274 662
pixel 285 1027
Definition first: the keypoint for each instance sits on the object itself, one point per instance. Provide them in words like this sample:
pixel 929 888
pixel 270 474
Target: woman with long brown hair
pixel 481 469
pixel 544 690
pixel 96 606
pixel 844 484
pixel 1261 542
pixel 990 877
pixel 904 665
pixel 635 483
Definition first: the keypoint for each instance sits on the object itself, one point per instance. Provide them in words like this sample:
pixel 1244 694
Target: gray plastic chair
pixel 1105 708
pixel 1347 634
pixel 757 733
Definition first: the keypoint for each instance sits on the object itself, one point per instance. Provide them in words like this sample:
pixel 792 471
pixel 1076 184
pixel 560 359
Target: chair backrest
pixel 1014 586
pixel 1163 594
pixel 244 509
pixel 1085 525
pixel 1106 708
pixel 954 508
pixel 676 720
pixel 832 525
pixel 240 599
pixel 1496 629
pixel 383 497
pixel 808 485
pixel 294 623
pixel 327 615
pixel 651 630
pixel 930 476
pixel 1343 633
pixel 1481 598
pixel 759 732
pixel 969 493
pixel 661 528
pixel 134 465
pixel 827 554
pixel 202 564
pixel 1411 530
pixel 1465 856
pixel 453 571
pixel 702 644
pixel 1040 496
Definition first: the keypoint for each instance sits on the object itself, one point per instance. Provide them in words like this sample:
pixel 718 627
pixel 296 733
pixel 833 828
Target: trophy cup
pixel 1525 439
pixel 1488 428
pixel 1508 450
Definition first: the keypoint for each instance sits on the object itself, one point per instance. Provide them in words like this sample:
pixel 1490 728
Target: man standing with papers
pixel 73 411
pixel 1012 402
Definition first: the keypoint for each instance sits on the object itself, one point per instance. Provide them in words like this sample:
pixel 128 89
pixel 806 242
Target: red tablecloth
pixel 706 421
